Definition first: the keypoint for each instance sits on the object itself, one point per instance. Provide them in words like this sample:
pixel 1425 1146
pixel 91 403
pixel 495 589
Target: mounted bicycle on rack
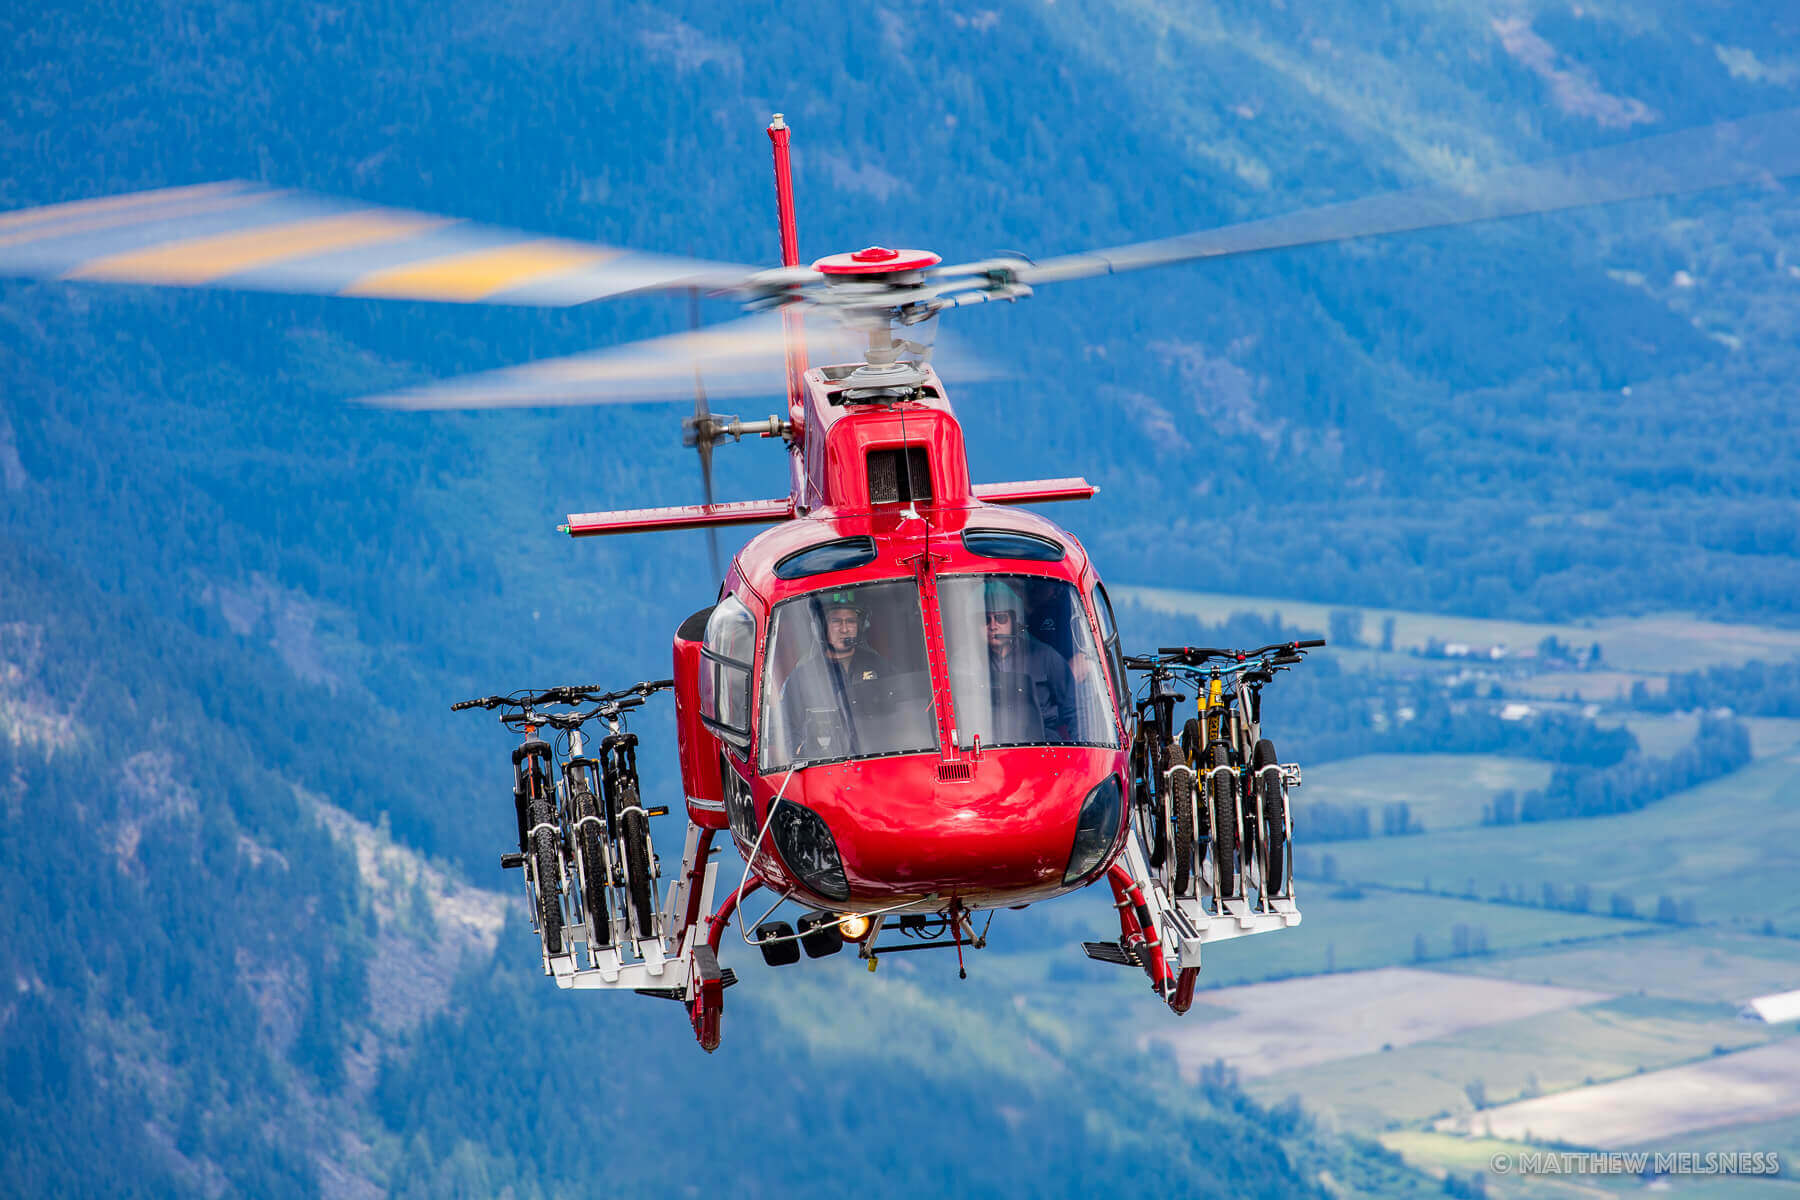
pixel 584 833
pixel 1210 804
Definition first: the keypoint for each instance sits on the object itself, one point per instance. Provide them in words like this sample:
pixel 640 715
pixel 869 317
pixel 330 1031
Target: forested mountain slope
pixel 235 606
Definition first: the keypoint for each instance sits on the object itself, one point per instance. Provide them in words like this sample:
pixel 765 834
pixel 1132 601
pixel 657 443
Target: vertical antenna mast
pixel 790 257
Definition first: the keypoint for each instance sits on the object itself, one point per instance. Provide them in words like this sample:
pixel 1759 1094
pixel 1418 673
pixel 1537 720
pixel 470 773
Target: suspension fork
pixel 618 757
pixel 529 778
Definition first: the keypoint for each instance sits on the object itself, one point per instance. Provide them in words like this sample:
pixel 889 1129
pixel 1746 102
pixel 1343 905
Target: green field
pixel 1381 928
pixel 1443 791
pixel 1550 1052
pixel 1699 965
pixel 1726 846
pixel 1661 734
pixel 1657 644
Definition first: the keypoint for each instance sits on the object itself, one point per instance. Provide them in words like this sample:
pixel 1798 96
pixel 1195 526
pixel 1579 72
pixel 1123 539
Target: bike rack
pixel 1186 923
pixel 659 965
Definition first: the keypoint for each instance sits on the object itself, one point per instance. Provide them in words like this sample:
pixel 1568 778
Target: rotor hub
pixel 876 260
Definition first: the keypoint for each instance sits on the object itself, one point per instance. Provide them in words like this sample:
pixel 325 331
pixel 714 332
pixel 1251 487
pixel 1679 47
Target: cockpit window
pixel 840 555
pixel 1024 670
pixel 726 654
pixel 846 677
pixel 1007 543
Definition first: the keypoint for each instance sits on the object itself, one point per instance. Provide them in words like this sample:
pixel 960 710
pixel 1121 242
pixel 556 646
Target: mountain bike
pixel 593 817
pixel 1224 791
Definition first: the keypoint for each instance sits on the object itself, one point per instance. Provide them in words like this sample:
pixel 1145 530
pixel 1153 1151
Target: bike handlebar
pixel 1194 656
pixel 589 693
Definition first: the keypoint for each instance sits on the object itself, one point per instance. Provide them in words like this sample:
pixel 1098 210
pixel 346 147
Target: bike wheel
pixel 1181 816
pixel 590 849
pixel 634 831
pixel 547 869
pixel 1274 807
pixel 1151 788
pixel 1192 741
pixel 1221 791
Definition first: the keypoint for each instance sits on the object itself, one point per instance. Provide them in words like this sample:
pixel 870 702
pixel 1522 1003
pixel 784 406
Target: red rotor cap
pixel 876 260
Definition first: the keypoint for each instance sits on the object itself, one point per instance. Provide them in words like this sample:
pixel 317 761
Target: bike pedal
pixel 510 861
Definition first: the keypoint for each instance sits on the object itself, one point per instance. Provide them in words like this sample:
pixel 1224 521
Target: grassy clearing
pixel 1547 1053
pixel 1726 846
pixel 1662 734
pixel 1658 644
pixel 1444 791
pixel 1700 966
pixel 1342 932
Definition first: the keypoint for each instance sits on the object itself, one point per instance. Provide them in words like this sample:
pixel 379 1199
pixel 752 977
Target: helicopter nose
pixel 1004 833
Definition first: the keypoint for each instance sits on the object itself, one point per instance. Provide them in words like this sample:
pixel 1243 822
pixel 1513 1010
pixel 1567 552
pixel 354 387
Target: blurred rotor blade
pixel 738 358
pixel 703 444
pixel 250 236
pixel 1762 148
pixel 742 358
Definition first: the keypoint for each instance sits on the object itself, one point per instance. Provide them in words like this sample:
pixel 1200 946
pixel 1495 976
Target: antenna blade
pixel 249 236
pixel 1759 149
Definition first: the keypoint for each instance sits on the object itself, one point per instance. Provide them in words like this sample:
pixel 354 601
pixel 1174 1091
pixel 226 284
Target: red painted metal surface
pixel 791 322
pixel 876 260
pixel 680 516
pixel 1035 491
pixel 695 878
pixel 1138 930
pixel 699 750
pixel 1001 838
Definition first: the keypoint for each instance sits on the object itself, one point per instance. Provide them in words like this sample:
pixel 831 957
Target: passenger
pixel 1023 667
pixel 840 683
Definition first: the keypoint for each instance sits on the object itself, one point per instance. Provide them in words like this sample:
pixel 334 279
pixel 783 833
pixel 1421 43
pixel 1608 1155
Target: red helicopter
pixel 909 705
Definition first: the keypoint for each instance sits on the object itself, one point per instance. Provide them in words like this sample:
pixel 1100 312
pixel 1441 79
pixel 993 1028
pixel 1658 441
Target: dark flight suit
pixel 822 696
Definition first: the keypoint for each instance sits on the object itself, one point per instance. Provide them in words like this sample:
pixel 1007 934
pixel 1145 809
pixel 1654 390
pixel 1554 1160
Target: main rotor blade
pixel 742 358
pixel 250 236
pixel 1756 149
pixel 738 358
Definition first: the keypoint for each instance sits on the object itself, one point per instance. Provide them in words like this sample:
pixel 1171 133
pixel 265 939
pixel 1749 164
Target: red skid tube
pixel 706 1003
pixel 1137 928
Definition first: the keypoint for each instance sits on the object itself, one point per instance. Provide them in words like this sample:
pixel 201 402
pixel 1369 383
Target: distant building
pixel 1772 1010
pixel 1515 711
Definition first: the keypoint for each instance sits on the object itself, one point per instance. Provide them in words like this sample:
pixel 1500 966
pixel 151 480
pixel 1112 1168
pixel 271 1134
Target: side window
pixel 1109 637
pixel 726 656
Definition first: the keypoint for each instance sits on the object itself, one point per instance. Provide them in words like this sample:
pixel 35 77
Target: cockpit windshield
pixel 1023 667
pixel 846 676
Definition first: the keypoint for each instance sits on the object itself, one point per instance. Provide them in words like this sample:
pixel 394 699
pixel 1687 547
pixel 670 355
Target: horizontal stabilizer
pixel 1035 491
pixel 681 516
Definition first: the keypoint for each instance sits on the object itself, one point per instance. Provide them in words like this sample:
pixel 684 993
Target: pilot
pixel 1033 700
pixel 840 682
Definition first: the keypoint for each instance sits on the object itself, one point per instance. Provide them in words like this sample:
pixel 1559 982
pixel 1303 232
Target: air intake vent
pixel 896 478
pixel 955 772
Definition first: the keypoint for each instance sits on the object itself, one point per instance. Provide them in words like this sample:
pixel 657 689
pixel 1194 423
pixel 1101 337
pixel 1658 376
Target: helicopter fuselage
pixel 947 763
